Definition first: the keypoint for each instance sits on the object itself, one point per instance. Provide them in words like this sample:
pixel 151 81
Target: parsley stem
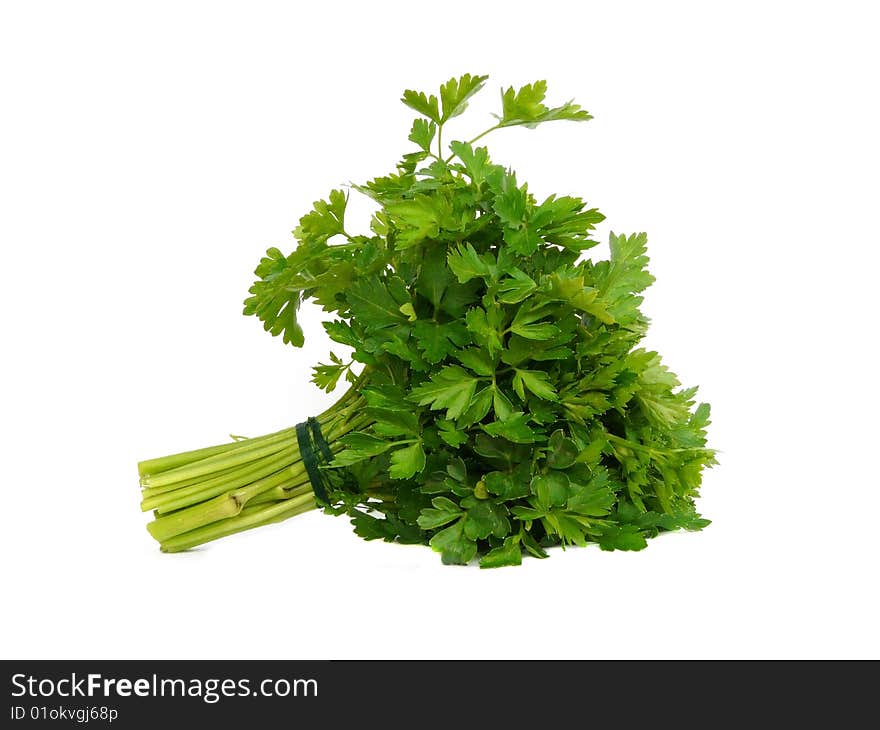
pixel 225 481
pixel 245 453
pixel 204 494
pixel 248 519
pixel 276 494
pixel 477 138
pixel 164 463
pixel 204 513
pixel 484 133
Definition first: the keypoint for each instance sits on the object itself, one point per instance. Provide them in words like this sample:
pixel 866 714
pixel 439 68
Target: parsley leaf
pixel 526 107
pixel 451 388
pixel 274 298
pixel 425 105
pixel 407 462
pixel 454 94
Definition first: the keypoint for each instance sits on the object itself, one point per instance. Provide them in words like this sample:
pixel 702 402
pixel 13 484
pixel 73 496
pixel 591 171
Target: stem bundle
pixel 202 495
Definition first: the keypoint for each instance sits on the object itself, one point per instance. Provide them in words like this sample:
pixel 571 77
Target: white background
pixel 150 152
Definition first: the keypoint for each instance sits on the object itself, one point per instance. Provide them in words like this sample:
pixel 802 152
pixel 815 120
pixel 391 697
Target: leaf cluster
pixel 510 407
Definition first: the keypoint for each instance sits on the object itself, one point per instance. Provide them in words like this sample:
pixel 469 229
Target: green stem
pixel 243 454
pixel 277 494
pixel 204 494
pixel 224 483
pixel 477 138
pixel 256 517
pixel 225 505
pixel 147 492
pixel 164 463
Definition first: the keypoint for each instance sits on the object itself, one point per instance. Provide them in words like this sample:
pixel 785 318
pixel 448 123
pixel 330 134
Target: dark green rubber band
pixel 310 461
pixel 318 438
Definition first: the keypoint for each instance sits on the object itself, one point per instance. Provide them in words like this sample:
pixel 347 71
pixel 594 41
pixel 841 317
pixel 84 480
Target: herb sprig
pixel 502 405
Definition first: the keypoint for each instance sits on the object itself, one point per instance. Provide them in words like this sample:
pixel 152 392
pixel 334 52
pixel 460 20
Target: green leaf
pixel 627 537
pixel 434 276
pixel 510 202
pixel 476 161
pixel 385 395
pixel 567 285
pixel 425 105
pixel 515 429
pixel 439 340
pixel 621 278
pixel 394 422
pixel 509 553
pixel 407 462
pixel 485 518
pixel 563 221
pixel 325 220
pixel 524 240
pixel 457 469
pixel 371 302
pixel 341 332
pixel 685 520
pixel 501 404
pixel 443 512
pixel 467 264
pixel 628 262
pixel 326 376
pixel 273 300
pixel 484 325
pixel 360 446
pixel 478 408
pixel 535 381
pixel 400 345
pixel 423 133
pixel 451 388
pixel 516 288
pixel 550 489
pixel 408 311
pixel 505 486
pixel 499 452
pixel 569 528
pixel 543 412
pixel 450 434
pixel 525 323
pixel 655 396
pixel 456 549
pixel 459 297
pixel 530 544
pixel 589 501
pixel 454 94
pixel 477 360
pixel 419 218
pixel 372 528
pixel 526 108
pixel 562 451
pixel 528 514
pixel 537 331
pixel 409 501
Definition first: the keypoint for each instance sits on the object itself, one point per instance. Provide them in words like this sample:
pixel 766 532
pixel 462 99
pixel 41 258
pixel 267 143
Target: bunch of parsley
pixel 503 404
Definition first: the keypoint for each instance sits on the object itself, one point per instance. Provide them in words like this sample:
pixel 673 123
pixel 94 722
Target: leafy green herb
pixel 502 405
